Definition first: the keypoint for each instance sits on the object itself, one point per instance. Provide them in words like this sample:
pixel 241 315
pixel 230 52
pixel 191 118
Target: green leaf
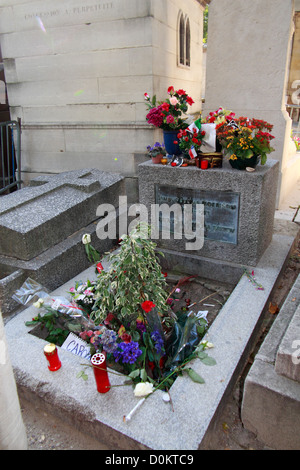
pixel 82 375
pixel 143 374
pixel 134 373
pixel 194 376
pixel 209 361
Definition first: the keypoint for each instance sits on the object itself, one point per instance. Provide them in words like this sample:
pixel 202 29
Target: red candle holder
pixel 204 164
pixel 50 351
pixel 98 361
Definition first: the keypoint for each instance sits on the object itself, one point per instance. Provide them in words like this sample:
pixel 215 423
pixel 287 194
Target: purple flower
pixel 159 343
pixel 129 352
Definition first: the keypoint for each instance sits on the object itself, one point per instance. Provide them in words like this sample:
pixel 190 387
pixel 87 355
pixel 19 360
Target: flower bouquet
pixel 245 140
pixel 167 114
pixel 190 140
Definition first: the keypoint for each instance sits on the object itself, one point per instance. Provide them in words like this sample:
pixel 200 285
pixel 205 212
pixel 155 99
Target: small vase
pixel 98 361
pixel 157 159
pixel 242 164
pixel 169 138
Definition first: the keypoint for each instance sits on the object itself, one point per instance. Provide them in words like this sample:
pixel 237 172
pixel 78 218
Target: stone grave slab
pixel 53 208
pixel 287 361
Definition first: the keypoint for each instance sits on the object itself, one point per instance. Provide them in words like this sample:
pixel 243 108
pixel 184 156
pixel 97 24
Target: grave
pixel 156 425
pixel 41 227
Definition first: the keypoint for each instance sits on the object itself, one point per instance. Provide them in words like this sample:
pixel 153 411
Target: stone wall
pixel 77 71
pixel 248 55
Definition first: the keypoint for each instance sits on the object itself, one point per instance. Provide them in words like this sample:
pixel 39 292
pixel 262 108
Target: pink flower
pixel 170 119
pixel 173 101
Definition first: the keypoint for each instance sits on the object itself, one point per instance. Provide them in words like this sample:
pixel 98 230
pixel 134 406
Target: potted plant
pixel 245 141
pixel 168 116
pixel 157 152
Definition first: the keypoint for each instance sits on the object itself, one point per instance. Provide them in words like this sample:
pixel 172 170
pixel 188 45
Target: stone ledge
pixel 271 401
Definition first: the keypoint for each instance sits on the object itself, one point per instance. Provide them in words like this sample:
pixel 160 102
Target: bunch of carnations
pixel 167 114
pixel 190 142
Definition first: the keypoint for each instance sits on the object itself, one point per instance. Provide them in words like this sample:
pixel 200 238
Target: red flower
pixel 180 92
pixel 171 89
pixel 147 306
pixel 99 267
pixel 126 338
pixel 109 318
pixel 190 101
pixel 165 107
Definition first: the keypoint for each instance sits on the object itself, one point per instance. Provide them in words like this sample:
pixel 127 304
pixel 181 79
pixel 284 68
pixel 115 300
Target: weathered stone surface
pixel 256 207
pixel 288 354
pixel 271 400
pixel 54 207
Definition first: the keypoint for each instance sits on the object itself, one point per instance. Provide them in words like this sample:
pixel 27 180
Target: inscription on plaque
pixel 221 210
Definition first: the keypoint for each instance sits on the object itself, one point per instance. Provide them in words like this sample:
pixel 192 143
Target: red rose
pixel 180 92
pixel 171 90
pixel 147 306
pixel 126 338
pixel 190 101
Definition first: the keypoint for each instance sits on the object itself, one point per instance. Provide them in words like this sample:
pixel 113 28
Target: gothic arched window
pixel 184 41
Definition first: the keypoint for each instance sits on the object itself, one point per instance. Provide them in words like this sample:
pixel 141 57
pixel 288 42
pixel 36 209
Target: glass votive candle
pixel 204 164
pixel 98 361
pixel 50 351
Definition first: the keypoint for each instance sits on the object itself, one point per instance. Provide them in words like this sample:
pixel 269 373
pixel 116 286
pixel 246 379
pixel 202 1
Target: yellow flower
pixel 233 157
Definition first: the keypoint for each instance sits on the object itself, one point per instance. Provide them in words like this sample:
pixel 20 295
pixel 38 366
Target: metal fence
pixel 10 156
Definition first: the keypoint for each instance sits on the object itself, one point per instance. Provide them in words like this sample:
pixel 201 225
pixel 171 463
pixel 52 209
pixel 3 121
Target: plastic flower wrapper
pixel 188 331
pixel 32 293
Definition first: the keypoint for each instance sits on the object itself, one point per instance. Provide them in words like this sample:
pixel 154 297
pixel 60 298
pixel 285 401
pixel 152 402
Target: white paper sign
pixel 77 346
pixel 209 141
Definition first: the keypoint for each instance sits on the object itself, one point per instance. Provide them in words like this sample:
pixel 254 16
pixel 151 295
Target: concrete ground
pixel 45 432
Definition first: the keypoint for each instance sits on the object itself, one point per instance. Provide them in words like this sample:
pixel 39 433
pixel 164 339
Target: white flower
pixel 86 238
pixel 143 388
pixel 38 303
pixel 207 345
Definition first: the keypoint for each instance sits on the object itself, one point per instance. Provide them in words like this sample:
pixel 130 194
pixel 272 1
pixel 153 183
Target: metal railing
pixel 10 156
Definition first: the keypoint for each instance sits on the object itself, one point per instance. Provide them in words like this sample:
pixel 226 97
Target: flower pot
pixel 169 138
pixel 157 159
pixel 242 164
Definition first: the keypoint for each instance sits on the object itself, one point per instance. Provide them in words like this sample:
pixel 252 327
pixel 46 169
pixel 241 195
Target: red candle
pixel 50 351
pixel 98 361
pixel 204 164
